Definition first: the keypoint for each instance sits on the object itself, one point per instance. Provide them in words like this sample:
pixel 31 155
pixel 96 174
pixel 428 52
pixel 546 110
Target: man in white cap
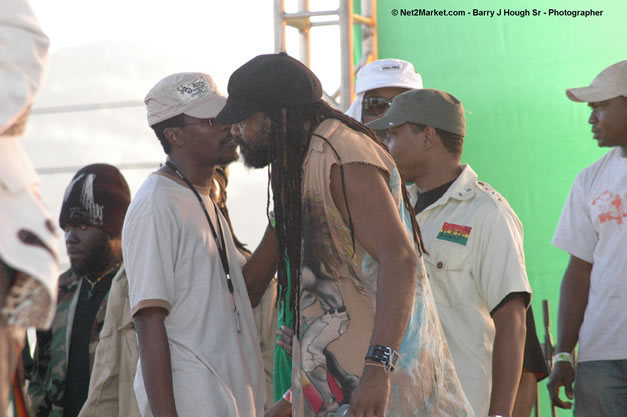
pixel 593 230
pixel 198 345
pixel 28 243
pixel 377 84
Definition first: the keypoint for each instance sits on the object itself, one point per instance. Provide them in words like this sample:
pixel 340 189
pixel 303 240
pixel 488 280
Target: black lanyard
pixel 219 242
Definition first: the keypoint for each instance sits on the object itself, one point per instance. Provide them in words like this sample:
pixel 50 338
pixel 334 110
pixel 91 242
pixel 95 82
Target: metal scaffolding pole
pixel 346 20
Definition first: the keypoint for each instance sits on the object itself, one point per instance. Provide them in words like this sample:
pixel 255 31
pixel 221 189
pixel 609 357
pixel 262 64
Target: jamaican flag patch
pixel 454 233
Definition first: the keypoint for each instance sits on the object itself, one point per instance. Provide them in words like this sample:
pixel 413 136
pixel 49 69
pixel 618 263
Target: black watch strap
pixel 384 355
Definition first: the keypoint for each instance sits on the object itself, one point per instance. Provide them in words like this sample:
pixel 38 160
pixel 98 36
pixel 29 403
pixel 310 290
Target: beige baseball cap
pixel 610 83
pixel 427 107
pixel 192 93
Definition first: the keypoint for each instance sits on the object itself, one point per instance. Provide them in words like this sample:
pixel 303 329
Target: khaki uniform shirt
pixel 475 259
pixel 111 391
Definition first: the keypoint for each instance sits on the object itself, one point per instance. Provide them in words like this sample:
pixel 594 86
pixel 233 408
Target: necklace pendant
pixel 90 293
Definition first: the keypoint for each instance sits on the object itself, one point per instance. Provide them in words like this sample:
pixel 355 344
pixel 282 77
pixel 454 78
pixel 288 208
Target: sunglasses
pixel 210 121
pixel 375 106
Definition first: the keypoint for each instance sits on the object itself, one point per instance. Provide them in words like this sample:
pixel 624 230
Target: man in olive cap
pixel 339 207
pixel 474 240
pixel 592 230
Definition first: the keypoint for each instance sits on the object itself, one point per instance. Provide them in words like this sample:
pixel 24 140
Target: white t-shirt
pixel 475 259
pixel 593 227
pixel 172 261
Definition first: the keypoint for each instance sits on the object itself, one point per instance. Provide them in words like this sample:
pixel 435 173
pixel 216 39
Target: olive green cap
pixel 426 107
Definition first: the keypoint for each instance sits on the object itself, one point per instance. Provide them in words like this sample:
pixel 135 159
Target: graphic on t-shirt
pixel 454 233
pixel 609 206
pixel 326 384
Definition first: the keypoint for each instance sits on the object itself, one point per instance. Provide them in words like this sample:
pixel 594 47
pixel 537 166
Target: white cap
pixel 387 73
pixel 610 83
pixel 379 74
pixel 192 93
pixel 23 54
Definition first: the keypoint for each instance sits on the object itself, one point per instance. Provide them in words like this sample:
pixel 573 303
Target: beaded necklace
pixel 90 290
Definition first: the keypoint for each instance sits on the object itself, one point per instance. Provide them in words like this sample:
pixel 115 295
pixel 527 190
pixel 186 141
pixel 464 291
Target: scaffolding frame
pixel 346 19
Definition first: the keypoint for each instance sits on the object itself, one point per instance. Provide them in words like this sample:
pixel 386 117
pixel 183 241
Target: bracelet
pixel 564 357
pixel 380 365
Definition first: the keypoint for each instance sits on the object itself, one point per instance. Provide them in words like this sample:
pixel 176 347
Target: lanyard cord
pixel 219 242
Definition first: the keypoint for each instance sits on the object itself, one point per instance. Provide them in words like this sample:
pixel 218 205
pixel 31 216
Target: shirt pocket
pixel 448 266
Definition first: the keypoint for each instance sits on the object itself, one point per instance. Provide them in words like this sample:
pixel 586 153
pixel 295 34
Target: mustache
pixel 240 141
pixel 227 138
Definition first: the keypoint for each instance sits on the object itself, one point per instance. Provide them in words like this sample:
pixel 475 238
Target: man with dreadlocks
pixel 367 332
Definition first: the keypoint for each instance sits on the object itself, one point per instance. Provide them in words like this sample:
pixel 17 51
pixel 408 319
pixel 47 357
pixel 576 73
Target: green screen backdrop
pixel 524 136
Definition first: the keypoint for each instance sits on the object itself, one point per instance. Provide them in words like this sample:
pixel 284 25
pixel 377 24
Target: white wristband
pixel 563 357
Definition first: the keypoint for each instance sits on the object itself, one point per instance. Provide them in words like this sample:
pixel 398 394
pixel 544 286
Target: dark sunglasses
pixel 211 122
pixel 375 106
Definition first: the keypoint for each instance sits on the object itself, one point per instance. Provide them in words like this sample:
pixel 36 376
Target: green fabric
pixel 283 361
pixel 47 378
pixel 524 136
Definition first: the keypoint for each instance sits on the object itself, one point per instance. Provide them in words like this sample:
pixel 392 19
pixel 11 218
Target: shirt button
pixel 439 265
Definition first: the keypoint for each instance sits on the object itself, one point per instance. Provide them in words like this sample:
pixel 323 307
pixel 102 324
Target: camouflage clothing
pixel 47 386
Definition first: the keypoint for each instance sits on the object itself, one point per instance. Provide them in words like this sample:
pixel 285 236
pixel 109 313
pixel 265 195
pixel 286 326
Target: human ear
pixel 173 136
pixel 430 137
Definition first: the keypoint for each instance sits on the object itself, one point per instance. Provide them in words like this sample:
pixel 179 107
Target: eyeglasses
pixel 375 106
pixel 209 121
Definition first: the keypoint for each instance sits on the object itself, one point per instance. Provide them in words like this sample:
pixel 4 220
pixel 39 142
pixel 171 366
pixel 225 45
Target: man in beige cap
pixel 198 345
pixel 592 229
pixel 474 244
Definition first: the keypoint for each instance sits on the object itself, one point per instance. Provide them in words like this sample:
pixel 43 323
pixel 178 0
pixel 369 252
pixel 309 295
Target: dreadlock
pixel 289 142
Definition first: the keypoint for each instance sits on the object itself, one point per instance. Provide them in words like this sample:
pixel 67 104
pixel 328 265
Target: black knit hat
pixel 269 82
pixel 97 196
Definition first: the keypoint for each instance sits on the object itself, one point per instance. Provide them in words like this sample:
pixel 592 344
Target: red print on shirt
pixel 610 207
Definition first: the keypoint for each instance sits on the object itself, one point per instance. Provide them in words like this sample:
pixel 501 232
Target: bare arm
pixel 154 352
pixel 573 302
pixel 261 266
pixel 507 357
pixel 281 408
pixel 379 229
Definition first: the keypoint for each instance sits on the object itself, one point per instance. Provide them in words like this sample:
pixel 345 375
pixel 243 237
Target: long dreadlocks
pixel 289 142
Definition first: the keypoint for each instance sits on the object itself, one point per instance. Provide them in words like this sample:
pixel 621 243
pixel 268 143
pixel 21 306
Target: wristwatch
pixel 384 355
pixel 564 357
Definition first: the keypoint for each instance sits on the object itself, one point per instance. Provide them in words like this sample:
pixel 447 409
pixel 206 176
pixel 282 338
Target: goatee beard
pixel 97 261
pixel 255 157
pixel 257 153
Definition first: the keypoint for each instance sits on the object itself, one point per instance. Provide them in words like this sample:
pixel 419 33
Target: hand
pixel 370 398
pixel 281 408
pixel 562 375
pixel 286 335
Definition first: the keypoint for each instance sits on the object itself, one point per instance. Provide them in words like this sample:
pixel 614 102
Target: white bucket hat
pixel 383 73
